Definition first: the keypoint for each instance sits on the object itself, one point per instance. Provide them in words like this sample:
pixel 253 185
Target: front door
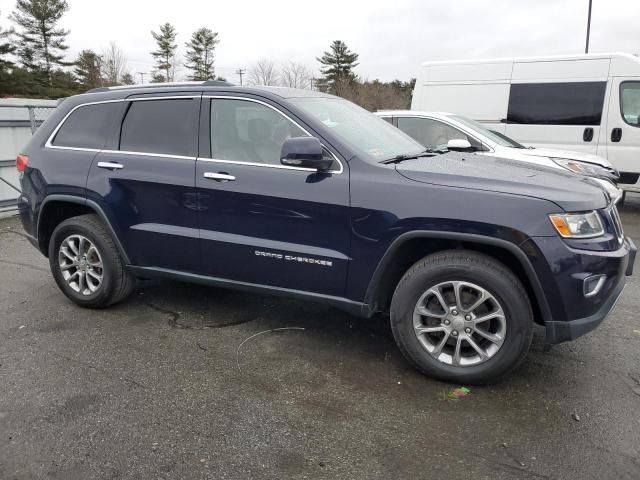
pixel 623 128
pixel 145 182
pixel 261 222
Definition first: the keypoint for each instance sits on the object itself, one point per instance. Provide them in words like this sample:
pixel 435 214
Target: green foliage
pixel 88 70
pixel 337 66
pixel 6 49
pixel 166 51
pixel 157 77
pixel 127 79
pixel 20 82
pixel 41 44
pixel 200 54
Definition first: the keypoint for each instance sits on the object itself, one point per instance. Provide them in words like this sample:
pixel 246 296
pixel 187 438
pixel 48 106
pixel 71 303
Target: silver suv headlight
pixel 583 168
pixel 578 225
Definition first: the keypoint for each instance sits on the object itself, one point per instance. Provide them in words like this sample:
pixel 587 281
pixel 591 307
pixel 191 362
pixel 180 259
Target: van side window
pixel 167 127
pixel 88 126
pixel 569 103
pixel 432 133
pixel 247 131
pixel 630 102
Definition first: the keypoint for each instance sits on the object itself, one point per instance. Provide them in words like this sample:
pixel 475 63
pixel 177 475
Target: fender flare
pixel 512 248
pixel 88 203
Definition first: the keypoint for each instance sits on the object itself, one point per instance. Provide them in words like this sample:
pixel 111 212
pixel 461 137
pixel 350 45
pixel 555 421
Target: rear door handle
pixel 220 176
pixel 110 165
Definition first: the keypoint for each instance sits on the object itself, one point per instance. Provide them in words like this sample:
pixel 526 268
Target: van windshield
pixel 375 138
pixel 630 102
pixel 492 135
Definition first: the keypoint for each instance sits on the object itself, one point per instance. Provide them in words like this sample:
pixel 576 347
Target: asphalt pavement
pixel 188 382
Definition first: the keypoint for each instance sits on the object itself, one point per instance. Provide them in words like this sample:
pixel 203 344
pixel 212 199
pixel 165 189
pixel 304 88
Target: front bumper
pixel 573 313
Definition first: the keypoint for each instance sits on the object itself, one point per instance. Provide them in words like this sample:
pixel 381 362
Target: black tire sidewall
pixel 102 297
pixel 514 303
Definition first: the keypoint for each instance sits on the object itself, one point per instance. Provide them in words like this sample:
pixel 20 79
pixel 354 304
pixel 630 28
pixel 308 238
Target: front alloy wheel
pixel 459 323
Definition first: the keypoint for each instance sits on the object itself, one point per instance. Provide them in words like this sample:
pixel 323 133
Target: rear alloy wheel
pixel 86 263
pixel 462 316
pixel 81 264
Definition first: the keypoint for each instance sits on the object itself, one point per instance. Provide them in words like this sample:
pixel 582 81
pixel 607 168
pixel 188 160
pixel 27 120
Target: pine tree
pixel 165 54
pixel 42 43
pixel 338 64
pixel 88 70
pixel 200 54
pixel 6 48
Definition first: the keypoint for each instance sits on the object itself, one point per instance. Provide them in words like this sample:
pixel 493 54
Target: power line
pixel 240 72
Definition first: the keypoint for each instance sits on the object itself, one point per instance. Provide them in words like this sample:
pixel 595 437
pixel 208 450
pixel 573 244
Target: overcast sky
pixel 392 36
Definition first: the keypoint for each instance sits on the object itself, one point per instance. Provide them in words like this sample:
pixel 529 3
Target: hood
pixel 481 172
pixel 568 154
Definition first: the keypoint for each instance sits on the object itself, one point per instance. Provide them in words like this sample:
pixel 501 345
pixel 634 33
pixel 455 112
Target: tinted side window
pixel 87 126
pixel 432 133
pixel 247 131
pixel 161 126
pixel 573 103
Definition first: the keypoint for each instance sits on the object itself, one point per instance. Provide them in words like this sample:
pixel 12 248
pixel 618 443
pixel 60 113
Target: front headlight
pixel 582 168
pixel 578 225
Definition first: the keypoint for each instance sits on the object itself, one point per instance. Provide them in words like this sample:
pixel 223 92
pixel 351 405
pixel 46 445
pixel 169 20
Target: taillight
pixel 21 162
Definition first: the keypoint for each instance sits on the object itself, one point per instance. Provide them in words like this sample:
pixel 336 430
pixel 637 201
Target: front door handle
pixel 220 176
pixel 110 165
pixel 616 135
pixel 587 135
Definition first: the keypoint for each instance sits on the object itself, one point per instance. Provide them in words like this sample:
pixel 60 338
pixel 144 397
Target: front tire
pixel 463 317
pixel 86 264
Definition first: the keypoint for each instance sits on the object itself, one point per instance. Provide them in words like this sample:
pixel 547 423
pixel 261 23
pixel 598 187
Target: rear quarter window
pixel 87 126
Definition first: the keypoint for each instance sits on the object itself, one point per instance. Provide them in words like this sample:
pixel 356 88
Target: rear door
pixel 145 182
pixel 262 222
pixel 623 127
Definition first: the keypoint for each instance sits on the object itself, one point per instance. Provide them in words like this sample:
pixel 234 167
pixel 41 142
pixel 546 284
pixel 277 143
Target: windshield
pixel 630 104
pixel 495 137
pixel 371 135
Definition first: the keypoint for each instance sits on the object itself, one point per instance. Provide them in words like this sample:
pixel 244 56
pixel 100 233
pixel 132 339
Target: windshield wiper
pixel 429 152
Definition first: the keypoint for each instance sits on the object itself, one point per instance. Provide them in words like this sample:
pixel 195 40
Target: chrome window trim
pixel 267 165
pixel 49 144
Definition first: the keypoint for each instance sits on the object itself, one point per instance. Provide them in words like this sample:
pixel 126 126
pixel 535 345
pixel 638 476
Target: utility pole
pixel 142 74
pixel 240 72
pixel 586 48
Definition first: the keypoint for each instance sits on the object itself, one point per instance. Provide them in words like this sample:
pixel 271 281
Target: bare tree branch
pixel 263 72
pixel 295 75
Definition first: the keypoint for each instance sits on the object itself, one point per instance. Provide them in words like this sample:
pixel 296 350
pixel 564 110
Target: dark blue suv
pixel 304 194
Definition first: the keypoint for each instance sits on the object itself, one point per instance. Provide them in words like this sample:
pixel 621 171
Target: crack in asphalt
pixel 174 319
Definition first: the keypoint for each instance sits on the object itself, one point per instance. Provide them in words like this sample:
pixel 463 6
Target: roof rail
pixel 206 83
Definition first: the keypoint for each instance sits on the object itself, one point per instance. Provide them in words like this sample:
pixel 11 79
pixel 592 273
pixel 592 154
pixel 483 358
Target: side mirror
pixel 459 145
pixel 304 152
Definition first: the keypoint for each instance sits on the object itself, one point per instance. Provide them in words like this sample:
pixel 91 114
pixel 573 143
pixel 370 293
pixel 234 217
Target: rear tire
pixel 454 347
pixel 86 264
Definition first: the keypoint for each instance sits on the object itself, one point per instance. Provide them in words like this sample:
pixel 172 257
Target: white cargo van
pixel 589 103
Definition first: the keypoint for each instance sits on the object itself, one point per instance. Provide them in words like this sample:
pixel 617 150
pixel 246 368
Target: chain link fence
pixel 18 122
